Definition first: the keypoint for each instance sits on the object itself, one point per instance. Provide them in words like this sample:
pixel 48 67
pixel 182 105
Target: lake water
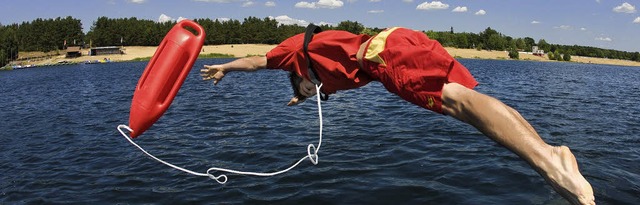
pixel 59 143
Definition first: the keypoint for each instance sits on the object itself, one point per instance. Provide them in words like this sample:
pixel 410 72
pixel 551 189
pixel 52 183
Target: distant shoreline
pixel 483 54
pixel 243 50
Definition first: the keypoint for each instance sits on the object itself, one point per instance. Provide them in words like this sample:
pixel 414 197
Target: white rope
pixel 312 154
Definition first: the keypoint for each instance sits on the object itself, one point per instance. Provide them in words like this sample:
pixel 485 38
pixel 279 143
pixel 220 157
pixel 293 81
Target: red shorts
pixel 414 67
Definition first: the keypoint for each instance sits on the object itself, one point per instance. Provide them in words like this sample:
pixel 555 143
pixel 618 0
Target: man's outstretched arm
pixel 217 72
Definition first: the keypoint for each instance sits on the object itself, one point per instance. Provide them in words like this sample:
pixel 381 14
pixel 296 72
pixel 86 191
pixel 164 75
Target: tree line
pixel 490 39
pixel 55 34
pixel 252 30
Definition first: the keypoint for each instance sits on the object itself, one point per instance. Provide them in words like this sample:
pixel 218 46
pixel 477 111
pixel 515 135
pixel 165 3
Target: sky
pixel 609 24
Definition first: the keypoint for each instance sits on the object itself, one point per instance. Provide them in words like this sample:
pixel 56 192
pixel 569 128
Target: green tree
pixel 636 56
pixel 513 53
pixel 350 26
pixel 369 31
pixel 487 33
pixel 496 42
pixel 462 41
pixel 432 34
pixel 8 44
pixel 543 45
pixel 252 30
pixel 528 44
pixel 521 44
pixel 566 57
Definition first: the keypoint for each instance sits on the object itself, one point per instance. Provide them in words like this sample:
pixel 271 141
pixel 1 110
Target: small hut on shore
pixel 73 52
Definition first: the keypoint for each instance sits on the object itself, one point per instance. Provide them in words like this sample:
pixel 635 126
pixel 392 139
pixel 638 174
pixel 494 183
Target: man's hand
pixel 307 88
pixel 215 72
pixel 247 64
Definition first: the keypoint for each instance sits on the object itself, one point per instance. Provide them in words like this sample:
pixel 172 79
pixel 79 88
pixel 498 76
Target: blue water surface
pixel 59 143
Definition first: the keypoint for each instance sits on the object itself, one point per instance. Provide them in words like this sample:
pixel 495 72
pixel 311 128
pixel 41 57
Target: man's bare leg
pixel 506 126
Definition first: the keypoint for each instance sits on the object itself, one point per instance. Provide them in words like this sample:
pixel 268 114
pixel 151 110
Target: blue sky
pixel 611 24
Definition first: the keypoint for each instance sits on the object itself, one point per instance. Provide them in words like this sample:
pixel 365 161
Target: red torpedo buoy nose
pixel 164 75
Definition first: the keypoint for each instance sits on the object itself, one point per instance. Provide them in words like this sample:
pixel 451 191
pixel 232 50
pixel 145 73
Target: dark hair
pixel 295 84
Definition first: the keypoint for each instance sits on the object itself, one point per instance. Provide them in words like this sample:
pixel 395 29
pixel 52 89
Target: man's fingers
pixel 206 76
pixel 211 72
pixel 217 77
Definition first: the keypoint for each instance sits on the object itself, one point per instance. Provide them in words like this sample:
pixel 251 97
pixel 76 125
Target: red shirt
pixel 333 54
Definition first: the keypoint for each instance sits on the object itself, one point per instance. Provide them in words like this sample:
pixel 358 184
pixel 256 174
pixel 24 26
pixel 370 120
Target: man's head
pixel 302 88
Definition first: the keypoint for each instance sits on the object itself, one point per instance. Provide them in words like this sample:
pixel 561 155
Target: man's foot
pixel 565 178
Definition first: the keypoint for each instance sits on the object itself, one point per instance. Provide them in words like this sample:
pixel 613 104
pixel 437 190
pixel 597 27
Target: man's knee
pixel 455 98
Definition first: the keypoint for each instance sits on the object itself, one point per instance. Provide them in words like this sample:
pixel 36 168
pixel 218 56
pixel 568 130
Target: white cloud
pixel 136 1
pixel 270 4
pixel 248 4
pixel 625 8
pixel 322 4
pixel 434 5
pixel 164 18
pixel 223 19
pixel 407 1
pixel 535 22
pixel 286 20
pixel 326 23
pixel 481 12
pixel 375 11
pixel 637 20
pixel 306 5
pixel 583 29
pixel 460 9
pixel 375 0
pixel 604 39
pixel 563 27
pixel 221 1
pixel 331 4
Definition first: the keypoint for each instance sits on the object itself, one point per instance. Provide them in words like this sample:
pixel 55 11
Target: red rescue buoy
pixel 164 75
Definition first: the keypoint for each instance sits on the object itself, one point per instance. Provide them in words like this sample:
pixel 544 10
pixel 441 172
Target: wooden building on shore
pixel 107 50
pixel 73 52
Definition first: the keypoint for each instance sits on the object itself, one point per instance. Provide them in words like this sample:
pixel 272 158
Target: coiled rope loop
pixel 312 154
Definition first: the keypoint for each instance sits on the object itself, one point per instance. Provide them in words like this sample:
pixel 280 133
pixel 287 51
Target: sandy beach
pixel 242 50
pixel 133 52
pixel 472 53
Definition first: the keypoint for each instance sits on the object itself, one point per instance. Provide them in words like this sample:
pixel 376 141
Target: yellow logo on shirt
pixel 430 102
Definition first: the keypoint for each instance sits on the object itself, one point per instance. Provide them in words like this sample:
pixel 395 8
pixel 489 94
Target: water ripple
pixel 60 145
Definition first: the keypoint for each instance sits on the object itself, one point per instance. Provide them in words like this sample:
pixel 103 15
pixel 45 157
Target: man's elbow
pixel 257 62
